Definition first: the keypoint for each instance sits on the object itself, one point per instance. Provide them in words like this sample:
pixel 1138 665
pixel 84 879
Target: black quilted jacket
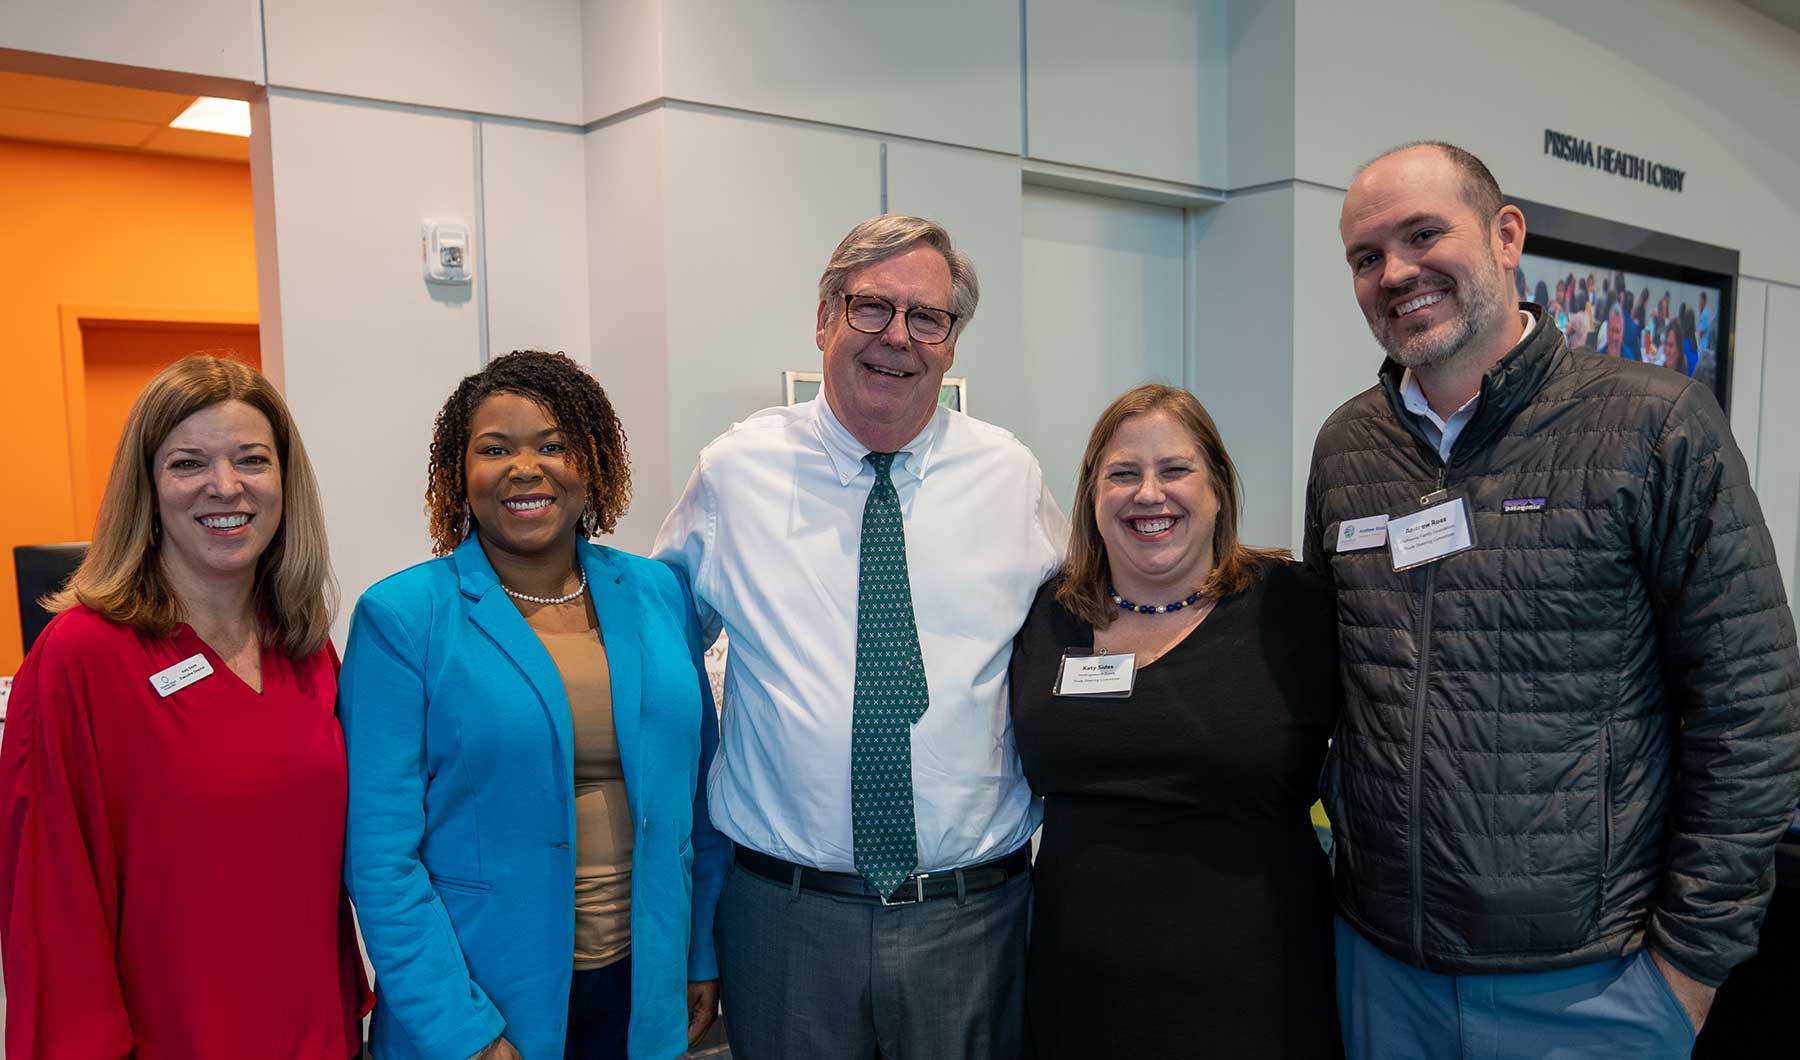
pixel 1586 729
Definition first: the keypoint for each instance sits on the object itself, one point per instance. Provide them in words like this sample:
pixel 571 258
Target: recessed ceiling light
pixel 211 114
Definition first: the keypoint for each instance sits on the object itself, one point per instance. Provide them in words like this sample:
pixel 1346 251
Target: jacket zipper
pixel 1415 863
pixel 1606 825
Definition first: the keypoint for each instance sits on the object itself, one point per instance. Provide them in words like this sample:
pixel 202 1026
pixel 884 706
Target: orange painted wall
pixel 120 356
pixel 85 227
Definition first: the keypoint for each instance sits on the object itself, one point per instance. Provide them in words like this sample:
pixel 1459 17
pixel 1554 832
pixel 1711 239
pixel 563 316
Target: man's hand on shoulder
pixel 1696 997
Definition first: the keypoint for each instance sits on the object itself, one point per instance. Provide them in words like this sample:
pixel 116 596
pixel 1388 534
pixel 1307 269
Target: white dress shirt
pixel 769 534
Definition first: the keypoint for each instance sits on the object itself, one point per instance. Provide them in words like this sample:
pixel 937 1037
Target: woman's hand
pixel 703 1008
pixel 498 1049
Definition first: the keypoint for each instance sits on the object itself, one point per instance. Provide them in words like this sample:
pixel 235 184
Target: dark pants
pixel 810 976
pixel 1752 1016
pixel 599 1013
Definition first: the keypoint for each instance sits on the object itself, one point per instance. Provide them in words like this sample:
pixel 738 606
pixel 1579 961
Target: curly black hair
pixel 576 404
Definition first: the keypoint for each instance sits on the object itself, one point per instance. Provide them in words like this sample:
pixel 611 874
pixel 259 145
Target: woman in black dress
pixel 1183 904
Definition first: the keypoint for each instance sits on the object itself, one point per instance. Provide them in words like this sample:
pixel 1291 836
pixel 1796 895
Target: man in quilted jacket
pixel 1571 732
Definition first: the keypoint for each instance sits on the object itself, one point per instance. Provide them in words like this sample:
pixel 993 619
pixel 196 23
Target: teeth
pixel 1419 303
pixel 1153 526
pixel 224 522
pixel 887 371
pixel 528 506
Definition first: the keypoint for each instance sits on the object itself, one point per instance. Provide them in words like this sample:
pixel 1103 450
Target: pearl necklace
pixel 1146 609
pixel 528 598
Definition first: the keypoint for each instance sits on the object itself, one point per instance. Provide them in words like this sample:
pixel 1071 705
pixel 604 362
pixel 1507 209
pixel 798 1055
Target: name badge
pixel 1355 535
pixel 1429 535
pixel 1088 674
pixel 182 674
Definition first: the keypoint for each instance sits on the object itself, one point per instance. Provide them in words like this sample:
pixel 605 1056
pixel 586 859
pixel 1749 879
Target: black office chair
pixel 42 570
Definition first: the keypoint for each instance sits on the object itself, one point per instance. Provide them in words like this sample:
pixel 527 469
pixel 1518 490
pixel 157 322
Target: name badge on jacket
pixel 1430 534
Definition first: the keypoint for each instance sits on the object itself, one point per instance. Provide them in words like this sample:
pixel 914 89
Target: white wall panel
pixel 535 222
pixel 219 38
pixel 1259 92
pixel 1707 87
pixel 622 55
pixel 1241 371
pixel 1103 299
pixel 944 70
pixel 753 211
pixel 1133 87
pixel 1335 356
pixel 521 58
pixel 1747 368
pixel 370 352
pixel 628 309
pixel 1778 478
pixel 976 196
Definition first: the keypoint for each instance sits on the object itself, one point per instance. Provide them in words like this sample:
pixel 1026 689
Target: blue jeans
pixel 1621 1008
pixel 811 976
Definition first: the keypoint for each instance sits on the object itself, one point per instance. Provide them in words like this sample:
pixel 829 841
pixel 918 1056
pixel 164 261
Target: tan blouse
pixel 603 836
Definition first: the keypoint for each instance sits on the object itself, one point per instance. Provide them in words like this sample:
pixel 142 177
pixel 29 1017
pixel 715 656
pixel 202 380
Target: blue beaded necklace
pixel 1146 609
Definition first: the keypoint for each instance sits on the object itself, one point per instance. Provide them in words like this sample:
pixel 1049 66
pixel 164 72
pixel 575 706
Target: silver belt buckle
pixel 918 889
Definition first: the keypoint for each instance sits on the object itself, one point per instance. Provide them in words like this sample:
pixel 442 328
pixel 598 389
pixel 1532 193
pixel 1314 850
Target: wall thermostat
pixel 447 256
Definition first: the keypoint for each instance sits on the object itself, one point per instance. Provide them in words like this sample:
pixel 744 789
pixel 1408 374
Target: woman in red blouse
pixel 172 769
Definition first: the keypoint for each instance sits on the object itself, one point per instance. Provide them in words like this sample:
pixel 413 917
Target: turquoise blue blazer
pixel 460 842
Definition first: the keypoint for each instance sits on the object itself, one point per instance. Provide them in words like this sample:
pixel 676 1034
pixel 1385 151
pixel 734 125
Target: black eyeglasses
pixel 871 315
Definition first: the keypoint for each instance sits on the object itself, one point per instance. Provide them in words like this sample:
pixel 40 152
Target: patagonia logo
pixel 1522 504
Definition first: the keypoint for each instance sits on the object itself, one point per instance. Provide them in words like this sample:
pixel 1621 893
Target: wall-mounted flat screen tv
pixel 1631 292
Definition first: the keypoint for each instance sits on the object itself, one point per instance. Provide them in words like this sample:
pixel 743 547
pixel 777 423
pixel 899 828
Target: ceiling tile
pixel 57 96
pixel 199 144
pixel 73 129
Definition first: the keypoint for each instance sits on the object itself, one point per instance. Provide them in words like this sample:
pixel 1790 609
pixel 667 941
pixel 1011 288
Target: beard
pixel 1479 302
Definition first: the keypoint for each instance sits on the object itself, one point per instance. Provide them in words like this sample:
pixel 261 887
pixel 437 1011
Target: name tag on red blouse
pixel 182 674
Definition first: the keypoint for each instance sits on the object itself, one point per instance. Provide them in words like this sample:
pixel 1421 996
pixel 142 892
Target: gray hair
pixel 880 238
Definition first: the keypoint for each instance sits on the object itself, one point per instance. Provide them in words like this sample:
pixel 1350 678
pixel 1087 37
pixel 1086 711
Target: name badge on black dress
pixel 1090 675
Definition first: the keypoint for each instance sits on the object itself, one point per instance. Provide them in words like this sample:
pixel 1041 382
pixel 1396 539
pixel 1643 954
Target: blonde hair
pixel 121 578
pixel 1086 572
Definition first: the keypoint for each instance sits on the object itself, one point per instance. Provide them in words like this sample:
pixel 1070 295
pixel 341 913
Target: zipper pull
pixel 1438 495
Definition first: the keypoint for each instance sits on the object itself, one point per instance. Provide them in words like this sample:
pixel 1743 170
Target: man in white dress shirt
pixel 871 555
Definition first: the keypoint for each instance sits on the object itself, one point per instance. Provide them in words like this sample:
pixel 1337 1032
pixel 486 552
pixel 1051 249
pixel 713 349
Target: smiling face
pixel 524 488
pixel 1155 508
pixel 884 388
pixel 218 494
pixel 1430 272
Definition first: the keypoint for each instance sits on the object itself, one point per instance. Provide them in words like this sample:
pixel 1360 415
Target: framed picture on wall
pixel 804 386
pixel 1632 292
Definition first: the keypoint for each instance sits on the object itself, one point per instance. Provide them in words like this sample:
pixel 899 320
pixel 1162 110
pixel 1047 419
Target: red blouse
pixel 171 869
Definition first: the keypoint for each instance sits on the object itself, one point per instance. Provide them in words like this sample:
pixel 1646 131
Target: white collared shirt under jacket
pixel 769 533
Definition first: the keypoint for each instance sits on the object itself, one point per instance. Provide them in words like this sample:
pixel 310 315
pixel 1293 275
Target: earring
pixel 155 530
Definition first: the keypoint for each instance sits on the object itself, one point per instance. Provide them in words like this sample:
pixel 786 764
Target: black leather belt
pixel 919 887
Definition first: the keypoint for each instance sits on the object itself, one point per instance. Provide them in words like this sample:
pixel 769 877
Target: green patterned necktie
pixel 890 694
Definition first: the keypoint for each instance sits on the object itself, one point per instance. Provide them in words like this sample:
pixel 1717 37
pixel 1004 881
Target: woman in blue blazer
pixel 529 727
